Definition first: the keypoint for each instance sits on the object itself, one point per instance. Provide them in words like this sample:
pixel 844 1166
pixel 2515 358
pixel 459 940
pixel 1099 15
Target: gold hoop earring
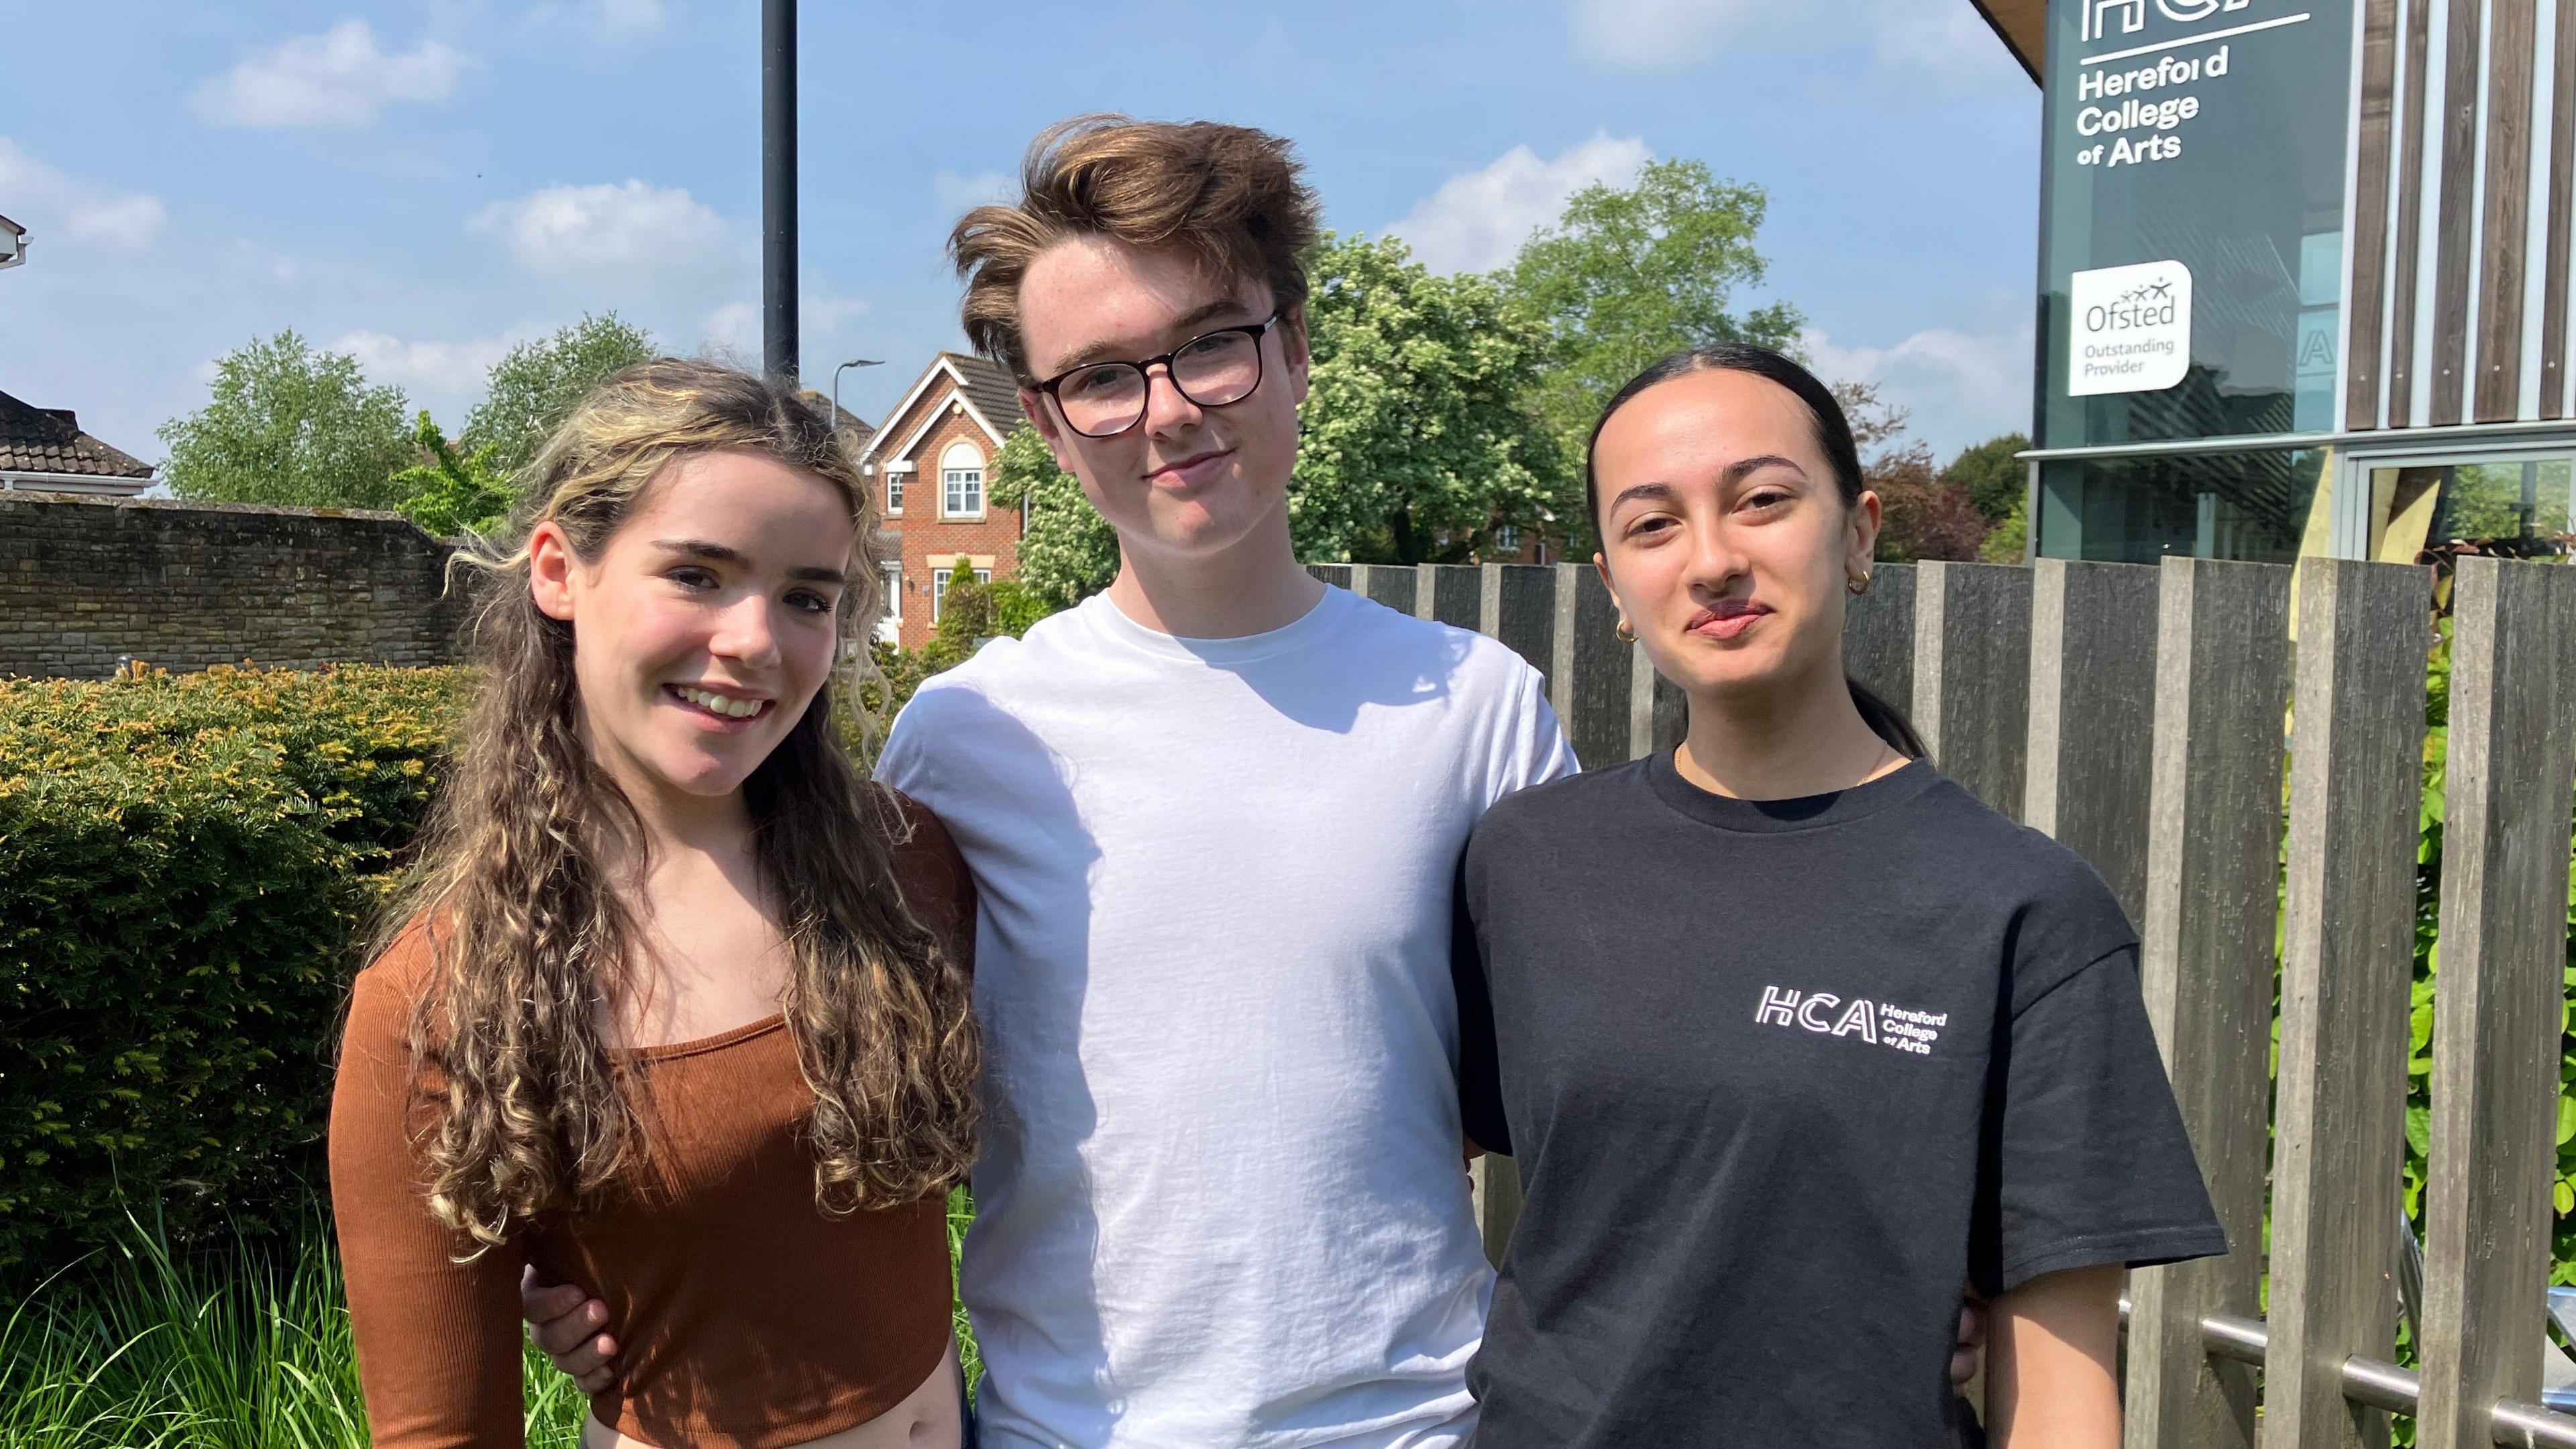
pixel 1623 633
pixel 1858 586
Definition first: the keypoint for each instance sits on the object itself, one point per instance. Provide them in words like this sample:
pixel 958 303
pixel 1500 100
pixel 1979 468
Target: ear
pixel 552 567
pixel 1292 347
pixel 1601 567
pixel 1041 417
pixel 1860 543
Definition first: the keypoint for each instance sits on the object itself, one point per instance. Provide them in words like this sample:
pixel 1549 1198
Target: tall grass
pixel 241 1347
pixel 245 1346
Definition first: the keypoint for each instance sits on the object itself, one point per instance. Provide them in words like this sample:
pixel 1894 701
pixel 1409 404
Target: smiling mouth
pixel 1727 620
pixel 1176 472
pixel 722 706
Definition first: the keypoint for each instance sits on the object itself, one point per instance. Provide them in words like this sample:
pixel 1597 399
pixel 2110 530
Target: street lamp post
pixel 836 383
pixel 779 342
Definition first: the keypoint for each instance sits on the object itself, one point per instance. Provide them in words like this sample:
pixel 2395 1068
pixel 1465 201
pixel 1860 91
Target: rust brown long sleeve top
pixel 745 1316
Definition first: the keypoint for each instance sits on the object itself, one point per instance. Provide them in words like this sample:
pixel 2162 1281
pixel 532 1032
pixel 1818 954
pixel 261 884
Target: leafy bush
pixel 185 863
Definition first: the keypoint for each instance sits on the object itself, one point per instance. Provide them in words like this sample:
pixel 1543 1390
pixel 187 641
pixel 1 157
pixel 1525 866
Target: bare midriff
pixel 930 1417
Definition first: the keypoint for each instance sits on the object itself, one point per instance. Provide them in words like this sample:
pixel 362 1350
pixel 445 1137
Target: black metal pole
pixel 779 342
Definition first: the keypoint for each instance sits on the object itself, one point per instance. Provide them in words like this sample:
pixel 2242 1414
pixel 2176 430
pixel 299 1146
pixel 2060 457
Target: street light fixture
pixel 836 383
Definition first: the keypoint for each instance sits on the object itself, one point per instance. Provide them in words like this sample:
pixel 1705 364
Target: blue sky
pixel 423 184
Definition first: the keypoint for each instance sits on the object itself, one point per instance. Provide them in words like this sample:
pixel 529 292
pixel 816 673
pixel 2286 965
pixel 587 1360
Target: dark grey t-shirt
pixel 1783 1077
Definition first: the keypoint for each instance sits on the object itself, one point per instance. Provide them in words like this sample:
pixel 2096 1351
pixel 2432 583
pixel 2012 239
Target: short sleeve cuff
pixel 2142 1249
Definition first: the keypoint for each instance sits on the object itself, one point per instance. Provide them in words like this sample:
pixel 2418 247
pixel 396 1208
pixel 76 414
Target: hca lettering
pixel 1827 1014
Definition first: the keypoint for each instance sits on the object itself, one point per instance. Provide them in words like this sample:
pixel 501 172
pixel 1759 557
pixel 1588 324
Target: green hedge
pixel 184 864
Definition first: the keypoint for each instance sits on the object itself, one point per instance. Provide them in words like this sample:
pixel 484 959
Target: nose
pixel 1166 410
pixel 745 632
pixel 1714 561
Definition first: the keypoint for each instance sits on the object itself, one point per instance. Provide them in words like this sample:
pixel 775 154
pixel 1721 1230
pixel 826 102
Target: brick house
pixel 44 450
pixel 929 463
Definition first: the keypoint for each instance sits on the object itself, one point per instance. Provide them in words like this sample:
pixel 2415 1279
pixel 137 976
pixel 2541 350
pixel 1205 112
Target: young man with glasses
pixel 1214 815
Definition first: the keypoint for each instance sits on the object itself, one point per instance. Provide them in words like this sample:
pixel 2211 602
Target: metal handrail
pixel 2386 1386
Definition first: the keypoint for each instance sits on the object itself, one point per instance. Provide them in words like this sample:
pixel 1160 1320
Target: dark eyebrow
pixel 1743 468
pixel 718 553
pixel 1194 318
pixel 1641 490
pixel 1736 472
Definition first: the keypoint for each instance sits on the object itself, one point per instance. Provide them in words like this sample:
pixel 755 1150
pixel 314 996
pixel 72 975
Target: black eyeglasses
pixel 1213 369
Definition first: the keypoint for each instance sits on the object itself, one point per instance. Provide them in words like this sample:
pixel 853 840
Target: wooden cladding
pixel 2483 137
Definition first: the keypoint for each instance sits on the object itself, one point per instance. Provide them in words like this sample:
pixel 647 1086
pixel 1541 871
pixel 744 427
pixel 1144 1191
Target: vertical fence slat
pixel 1658 712
pixel 1516 603
pixel 1590 684
pixel 1972 675
pixel 2206 966
pixel 1447 594
pixel 2093 645
pixel 2507 784
pixel 2346 961
pixel 1338 575
pixel 1878 635
pixel 1390 584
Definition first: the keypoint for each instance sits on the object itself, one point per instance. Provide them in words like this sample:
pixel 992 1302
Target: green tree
pixel 286 424
pixel 1068 552
pixel 1418 436
pixel 966 619
pixel 1992 476
pixel 1631 273
pixel 536 383
pixel 452 492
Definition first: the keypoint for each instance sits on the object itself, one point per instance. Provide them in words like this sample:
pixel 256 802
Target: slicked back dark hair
pixel 1833 435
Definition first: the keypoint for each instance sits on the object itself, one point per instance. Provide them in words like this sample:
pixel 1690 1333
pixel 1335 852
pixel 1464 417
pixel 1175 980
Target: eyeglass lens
pixel 1110 397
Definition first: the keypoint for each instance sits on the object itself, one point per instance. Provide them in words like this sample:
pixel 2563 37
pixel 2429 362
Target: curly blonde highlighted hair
pixel 531 935
pixel 1234 199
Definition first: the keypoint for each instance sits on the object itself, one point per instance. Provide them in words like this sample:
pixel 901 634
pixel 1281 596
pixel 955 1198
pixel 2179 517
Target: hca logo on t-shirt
pixel 1875 1022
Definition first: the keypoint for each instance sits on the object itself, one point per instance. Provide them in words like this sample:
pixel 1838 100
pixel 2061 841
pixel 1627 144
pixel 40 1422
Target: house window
pixel 939 586
pixel 961 482
pixel 1507 539
pixel 894 491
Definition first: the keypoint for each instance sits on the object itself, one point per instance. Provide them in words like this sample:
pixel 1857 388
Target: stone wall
pixel 88 582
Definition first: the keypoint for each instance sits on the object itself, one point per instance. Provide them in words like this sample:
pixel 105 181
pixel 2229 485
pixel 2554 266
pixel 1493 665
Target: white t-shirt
pixel 1221 1201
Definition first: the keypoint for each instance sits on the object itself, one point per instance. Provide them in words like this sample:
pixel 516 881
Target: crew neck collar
pixel 1112 622
pixel 1805 812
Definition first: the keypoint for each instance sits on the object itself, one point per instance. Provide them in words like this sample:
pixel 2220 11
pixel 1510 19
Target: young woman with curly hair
pixel 675 1004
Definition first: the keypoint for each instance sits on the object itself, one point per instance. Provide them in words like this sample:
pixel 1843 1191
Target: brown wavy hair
pixel 531 933
pixel 1233 198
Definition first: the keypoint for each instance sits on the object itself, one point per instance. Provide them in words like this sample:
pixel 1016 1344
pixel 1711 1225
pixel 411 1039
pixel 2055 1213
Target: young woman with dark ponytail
pixel 1791 1035
pixel 675 1004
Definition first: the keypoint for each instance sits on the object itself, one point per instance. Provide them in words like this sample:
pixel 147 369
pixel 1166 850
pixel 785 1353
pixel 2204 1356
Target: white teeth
pixel 720 704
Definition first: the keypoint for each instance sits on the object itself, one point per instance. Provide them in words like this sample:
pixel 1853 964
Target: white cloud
pixel 1947 43
pixel 53 206
pixel 1477 221
pixel 341 77
pixel 570 230
pixel 1959 387
pixel 1662 34
pixel 455 368
pixel 964 193
pixel 615 22
pixel 733 330
pixel 628 19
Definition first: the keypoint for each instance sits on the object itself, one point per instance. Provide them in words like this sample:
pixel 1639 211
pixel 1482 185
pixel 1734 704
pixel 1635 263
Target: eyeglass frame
pixel 1261 374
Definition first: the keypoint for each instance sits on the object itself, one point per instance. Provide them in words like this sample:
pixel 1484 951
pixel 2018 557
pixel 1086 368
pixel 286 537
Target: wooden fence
pixel 2137 714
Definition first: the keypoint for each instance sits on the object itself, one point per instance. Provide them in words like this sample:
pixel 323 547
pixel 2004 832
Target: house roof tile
pixel 49 440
